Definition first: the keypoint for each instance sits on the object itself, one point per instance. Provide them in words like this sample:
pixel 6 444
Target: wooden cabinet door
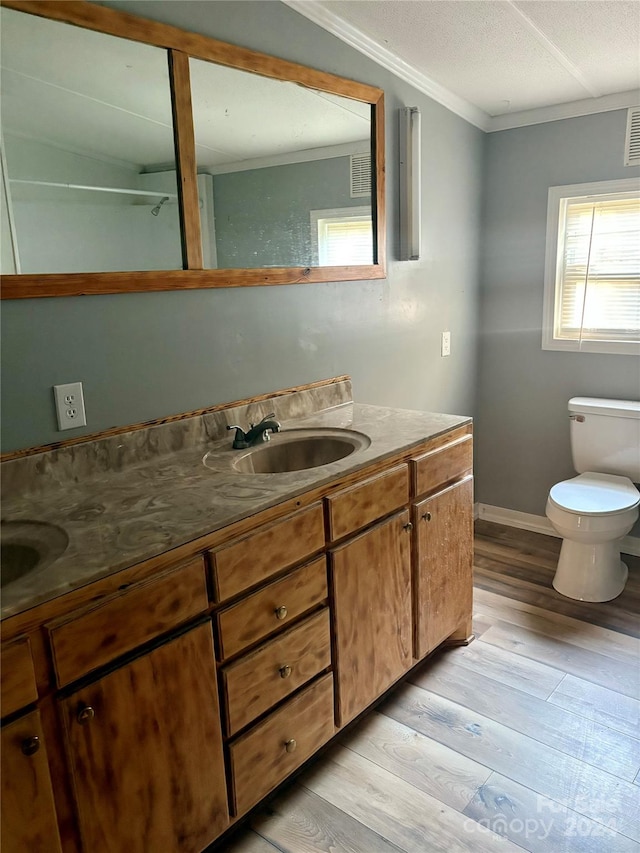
pixel 145 748
pixel 28 812
pixel 444 564
pixel 371 583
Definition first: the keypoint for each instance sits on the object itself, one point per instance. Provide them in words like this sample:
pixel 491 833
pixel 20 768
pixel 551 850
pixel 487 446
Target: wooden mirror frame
pixel 181 46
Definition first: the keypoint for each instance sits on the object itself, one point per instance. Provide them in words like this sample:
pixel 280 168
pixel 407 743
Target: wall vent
pixel 632 140
pixel 360 175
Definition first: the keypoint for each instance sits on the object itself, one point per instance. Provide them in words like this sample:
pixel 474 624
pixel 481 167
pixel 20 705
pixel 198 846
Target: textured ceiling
pixel 502 56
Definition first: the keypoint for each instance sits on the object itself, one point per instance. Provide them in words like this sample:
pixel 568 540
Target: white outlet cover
pixel 69 401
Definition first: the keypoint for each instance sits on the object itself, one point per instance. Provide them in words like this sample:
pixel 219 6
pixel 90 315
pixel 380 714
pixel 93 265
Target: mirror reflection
pixel 88 168
pixel 284 172
pixel 89 180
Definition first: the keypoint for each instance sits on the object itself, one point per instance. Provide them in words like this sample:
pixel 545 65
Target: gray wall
pixel 143 356
pixel 522 444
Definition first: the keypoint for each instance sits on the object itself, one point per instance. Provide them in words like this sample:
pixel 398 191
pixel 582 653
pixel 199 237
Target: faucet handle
pixel 240 439
pixel 262 420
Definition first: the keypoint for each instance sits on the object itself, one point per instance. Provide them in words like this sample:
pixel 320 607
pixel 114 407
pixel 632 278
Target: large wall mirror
pixel 136 157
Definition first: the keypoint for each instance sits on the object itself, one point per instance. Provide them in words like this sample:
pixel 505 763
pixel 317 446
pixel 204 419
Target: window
pixel 342 236
pixel 592 273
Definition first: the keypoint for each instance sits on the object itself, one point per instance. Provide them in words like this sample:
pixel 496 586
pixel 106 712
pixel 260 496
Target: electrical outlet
pixel 70 405
pixel 445 348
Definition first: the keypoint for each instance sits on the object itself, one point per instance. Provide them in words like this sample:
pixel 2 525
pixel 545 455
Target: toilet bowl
pixel 592 512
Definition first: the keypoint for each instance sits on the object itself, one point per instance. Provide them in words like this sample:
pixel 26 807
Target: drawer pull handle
pixel 30 745
pixel 427 516
pixel 86 714
pixel 290 745
pixel 285 671
pixel 407 526
pixel 281 612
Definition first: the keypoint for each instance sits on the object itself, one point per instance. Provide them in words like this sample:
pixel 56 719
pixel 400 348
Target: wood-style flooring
pixel 527 739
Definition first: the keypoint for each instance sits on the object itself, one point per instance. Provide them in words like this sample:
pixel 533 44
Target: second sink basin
pixel 300 449
pixel 28 546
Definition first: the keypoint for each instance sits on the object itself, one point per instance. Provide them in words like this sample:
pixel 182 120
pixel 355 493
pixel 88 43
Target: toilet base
pixel 589 572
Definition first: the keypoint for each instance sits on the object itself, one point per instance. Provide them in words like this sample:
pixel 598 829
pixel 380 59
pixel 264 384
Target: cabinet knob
pixel 281 612
pixel 427 516
pixel 290 745
pixel 407 526
pixel 30 745
pixel 285 671
pixel 85 715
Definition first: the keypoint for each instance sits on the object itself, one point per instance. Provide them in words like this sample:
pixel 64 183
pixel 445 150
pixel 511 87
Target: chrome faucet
pixel 256 432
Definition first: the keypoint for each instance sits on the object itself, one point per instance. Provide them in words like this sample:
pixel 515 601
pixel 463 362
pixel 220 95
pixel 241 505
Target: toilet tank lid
pixel 599 406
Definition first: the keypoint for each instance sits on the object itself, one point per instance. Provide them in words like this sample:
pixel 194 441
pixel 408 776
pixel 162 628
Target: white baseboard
pixel 538 524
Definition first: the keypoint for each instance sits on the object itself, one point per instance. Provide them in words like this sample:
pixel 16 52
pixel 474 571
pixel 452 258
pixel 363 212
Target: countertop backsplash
pixel 37 473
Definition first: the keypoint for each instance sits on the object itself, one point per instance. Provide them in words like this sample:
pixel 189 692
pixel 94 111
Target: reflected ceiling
pixel 101 116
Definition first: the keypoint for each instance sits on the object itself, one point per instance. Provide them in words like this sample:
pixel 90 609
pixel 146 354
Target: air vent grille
pixel 360 175
pixel 632 141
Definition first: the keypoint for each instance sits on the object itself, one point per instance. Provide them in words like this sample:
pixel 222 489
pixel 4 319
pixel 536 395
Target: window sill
pixel 602 347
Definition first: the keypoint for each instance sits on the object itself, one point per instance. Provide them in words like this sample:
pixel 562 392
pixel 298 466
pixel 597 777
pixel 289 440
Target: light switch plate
pixel 70 405
pixel 446 344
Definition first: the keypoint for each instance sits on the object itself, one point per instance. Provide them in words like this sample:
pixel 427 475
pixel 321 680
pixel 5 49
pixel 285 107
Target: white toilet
pixel 593 511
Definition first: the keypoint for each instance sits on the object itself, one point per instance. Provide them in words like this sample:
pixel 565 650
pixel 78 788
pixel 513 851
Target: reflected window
pixel 342 236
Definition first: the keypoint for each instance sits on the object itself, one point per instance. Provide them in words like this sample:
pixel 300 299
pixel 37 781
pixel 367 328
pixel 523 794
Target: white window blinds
pixel 342 236
pixel 600 275
pixel 344 243
pixel 596 292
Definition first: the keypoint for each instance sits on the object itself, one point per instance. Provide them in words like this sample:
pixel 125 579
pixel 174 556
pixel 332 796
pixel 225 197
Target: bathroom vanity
pixel 206 630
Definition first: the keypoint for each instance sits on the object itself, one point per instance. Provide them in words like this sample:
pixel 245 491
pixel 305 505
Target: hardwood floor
pixel 527 739
pixel 520 565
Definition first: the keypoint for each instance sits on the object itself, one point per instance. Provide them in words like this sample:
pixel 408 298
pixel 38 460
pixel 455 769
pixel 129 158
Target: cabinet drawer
pixel 442 466
pixel 258 680
pixel 353 508
pixel 273 548
pixel 273 607
pixel 281 743
pixel 96 635
pixel 17 676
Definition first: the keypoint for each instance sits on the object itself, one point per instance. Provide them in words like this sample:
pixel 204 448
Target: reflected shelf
pixel 123 190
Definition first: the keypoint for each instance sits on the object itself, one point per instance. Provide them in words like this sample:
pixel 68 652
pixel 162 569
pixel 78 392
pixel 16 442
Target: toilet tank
pixel 605 436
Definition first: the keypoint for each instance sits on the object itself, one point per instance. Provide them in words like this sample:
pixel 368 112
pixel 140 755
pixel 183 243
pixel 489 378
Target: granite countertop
pixel 117 518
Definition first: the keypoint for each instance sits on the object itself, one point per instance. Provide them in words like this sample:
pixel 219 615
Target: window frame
pixel 556 195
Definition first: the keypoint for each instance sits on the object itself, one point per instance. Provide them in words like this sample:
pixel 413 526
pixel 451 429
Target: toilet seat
pixel 595 494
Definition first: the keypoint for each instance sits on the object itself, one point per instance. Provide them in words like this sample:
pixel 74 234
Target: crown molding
pixel 354 37
pixel 364 44
pixel 327 152
pixel 572 109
